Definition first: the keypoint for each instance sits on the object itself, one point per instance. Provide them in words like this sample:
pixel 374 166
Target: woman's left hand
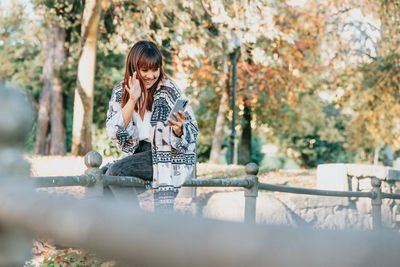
pixel 177 126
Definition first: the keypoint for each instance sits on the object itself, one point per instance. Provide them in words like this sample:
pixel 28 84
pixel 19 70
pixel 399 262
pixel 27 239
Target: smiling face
pixel 145 60
pixel 149 76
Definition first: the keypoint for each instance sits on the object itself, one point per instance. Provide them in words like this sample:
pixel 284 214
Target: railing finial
pixel 375 182
pixel 251 169
pixel 93 159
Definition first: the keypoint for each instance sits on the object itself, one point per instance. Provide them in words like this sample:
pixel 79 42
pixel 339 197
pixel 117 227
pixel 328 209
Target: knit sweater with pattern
pixel 173 157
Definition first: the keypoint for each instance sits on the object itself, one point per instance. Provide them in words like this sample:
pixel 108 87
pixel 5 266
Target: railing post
pixel 93 161
pixel 251 193
pixel 16 122
pixel 376 202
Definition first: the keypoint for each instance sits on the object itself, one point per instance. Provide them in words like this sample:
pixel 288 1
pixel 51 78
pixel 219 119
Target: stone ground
pixel 218 203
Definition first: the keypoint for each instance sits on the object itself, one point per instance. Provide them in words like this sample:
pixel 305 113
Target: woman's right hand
pixel 134 91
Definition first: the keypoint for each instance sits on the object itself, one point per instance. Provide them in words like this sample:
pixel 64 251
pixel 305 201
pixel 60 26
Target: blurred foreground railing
pixel 130 235
pixel 122 231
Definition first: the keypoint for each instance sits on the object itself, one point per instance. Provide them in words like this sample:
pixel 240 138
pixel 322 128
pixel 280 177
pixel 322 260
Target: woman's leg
pixel 137 165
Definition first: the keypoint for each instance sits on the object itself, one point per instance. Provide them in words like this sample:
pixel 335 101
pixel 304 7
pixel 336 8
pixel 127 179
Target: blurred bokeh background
pixel 317 81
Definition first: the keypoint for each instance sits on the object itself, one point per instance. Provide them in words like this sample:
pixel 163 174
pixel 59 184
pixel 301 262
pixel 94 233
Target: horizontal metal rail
pixel 390 195
pixel 123 181
pixel 88 180
pixel 317 192
pixel 82 180
pixel 217 183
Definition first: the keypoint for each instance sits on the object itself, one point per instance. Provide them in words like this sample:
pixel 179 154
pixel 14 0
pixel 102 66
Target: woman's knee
pixel 119 168
pixel 104 169
pixel 113 171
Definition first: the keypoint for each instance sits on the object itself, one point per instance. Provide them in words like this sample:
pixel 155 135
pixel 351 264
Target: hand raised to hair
pixel 134 91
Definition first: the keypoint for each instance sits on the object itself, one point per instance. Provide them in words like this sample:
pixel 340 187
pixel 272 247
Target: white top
pixel 143 126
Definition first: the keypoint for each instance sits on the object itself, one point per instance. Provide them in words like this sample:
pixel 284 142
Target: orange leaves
pixel 276 76
pixel 305 43
pixel 270 91
pixel 281 18
pixel 291 97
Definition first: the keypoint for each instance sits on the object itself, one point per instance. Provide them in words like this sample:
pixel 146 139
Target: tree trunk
pixel 50 135
pixel 83 103
pixel 245 143
pixel 57 138
pixel 221 118
pixel 41 146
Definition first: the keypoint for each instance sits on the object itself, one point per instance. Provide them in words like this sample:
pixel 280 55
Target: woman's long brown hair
pixel 143 55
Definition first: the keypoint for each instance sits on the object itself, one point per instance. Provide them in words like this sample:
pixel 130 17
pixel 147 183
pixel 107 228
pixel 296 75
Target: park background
pixel 317 81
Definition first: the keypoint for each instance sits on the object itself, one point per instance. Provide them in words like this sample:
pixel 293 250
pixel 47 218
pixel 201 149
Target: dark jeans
pixel 138 165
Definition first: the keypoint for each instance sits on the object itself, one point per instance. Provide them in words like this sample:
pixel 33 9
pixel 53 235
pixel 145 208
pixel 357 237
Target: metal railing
pixel 95 181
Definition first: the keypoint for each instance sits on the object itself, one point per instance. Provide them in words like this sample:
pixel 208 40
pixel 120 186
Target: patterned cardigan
pixel 173 157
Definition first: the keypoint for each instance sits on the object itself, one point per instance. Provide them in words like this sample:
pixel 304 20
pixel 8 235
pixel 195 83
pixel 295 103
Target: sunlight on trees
pixel 321 76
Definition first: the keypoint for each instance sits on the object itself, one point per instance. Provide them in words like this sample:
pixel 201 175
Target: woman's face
pixel 149 76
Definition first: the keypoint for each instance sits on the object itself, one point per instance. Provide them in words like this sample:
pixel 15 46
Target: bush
pixel 313 151
pixel 103 144
pixel 203 150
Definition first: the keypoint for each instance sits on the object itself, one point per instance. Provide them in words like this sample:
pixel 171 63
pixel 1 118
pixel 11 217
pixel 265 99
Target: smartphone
pixel 180 105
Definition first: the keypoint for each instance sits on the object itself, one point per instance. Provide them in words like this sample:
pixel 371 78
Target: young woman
pixel 154 147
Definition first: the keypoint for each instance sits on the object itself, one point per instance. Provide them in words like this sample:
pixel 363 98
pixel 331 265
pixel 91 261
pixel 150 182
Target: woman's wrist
pixel 127 111
pixel 132 100
pixel 180 133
